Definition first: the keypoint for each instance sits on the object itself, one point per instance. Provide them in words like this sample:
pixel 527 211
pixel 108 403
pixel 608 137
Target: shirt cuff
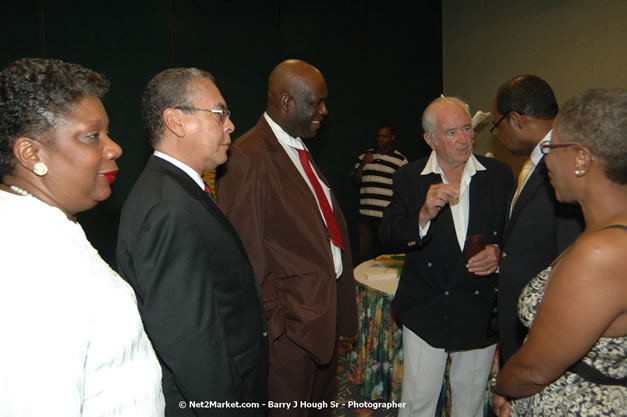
pixel 424 230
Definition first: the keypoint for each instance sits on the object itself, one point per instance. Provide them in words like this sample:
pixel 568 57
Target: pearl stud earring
pixel 40 169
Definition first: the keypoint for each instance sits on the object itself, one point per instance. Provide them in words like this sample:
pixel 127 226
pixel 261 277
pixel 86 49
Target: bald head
pixel 292 74
pixel 296 97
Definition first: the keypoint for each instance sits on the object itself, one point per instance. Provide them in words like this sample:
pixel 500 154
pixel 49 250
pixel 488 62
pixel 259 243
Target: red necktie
pixel 209 191
pixel 327 212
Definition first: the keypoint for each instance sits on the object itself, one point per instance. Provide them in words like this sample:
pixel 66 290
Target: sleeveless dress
pixel 571 394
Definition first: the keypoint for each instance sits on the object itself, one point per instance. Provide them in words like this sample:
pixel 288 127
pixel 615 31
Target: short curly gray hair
pixel 597 119
pixel 36 95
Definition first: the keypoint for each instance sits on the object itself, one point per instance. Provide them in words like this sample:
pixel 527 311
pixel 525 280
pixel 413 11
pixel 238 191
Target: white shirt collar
pixel 283 136
pixel 291 145
pixel 460 207
pixel 185 168
pixel 536 154
pixel 433 167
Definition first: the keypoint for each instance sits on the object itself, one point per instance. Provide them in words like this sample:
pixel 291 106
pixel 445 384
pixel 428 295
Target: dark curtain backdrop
pixel 382 62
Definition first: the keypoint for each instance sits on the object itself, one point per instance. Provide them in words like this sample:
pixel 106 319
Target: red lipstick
pixel 110 176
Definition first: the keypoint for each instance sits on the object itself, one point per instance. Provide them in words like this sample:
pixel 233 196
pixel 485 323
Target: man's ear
pixel 174 122
pixel 28 152
pixel 515 120
pixel 285 102
pixel 429 139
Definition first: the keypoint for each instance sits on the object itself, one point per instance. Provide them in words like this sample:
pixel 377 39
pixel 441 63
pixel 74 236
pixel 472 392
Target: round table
pixel 377 361
pixel 379 275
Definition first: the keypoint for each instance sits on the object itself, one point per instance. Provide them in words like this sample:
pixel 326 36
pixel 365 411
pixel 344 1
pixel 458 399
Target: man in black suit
pixel 444 299
pixel 539 227
pixel 196 290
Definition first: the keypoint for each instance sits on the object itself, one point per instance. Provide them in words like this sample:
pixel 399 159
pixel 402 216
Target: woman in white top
pixel 72 340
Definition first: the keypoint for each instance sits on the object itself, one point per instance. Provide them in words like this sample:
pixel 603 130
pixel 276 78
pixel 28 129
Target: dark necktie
pixel 327 212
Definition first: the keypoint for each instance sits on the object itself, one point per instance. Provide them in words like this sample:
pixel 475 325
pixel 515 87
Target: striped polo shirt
pixel 376 182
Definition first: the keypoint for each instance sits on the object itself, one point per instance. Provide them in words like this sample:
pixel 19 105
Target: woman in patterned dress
pixel 574 361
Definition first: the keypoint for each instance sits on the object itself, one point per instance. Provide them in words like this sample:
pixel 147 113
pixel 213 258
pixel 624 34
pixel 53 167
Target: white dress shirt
pixel 460 208
pixel 536 155
pixel 189 171
pixel 291 146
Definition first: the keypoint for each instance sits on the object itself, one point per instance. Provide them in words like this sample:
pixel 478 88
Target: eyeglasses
pixel 495 129
pixel 223 113
pixel 547 146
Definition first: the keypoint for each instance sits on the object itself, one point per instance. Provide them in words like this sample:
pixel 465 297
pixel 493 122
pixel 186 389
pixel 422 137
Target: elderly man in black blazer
pixel 445 299
pixel 196 290
pixel 539 227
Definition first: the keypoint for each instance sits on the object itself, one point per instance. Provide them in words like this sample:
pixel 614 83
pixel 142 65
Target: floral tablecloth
pixel 377 360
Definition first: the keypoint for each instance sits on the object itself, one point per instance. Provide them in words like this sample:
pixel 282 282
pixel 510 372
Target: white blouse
pixel 72 341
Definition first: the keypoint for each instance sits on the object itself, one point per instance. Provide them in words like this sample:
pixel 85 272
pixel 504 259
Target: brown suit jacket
pixel 278 219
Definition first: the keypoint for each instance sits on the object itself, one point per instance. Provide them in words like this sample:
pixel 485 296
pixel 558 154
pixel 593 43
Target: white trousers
pixel 423 375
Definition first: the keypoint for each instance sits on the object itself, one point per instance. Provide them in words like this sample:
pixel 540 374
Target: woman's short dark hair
pixel 36 95
pixel 597 119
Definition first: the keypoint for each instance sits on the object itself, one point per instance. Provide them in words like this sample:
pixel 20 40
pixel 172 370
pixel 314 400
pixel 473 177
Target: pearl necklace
pixel 19 190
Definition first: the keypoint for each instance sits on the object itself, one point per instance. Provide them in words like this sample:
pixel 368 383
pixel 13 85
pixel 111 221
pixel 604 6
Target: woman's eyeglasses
pixel 546 147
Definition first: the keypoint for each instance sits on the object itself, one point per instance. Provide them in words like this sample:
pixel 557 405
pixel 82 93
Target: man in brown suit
pixel 297 239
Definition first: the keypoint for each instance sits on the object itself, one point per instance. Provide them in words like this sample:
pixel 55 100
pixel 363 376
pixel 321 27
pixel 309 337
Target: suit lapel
pixel 480 194
pixel 194 191
pixel 290 173
pixel 445 220
pixel 188 184
pixel 442 225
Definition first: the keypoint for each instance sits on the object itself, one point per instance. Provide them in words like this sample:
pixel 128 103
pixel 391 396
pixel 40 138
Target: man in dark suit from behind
pixel 446 295
pixel 196 289
pixel 539 227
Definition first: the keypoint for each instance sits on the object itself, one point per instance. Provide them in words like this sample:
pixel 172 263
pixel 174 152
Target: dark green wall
pixel 382 62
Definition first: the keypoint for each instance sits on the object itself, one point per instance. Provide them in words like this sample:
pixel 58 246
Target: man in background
pixel 373 174
pixel 539 227
pixel 297 238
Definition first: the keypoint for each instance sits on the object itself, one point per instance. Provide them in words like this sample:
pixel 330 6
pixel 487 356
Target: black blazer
pixel 539 229
pixel 196 292
pixel 436 299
